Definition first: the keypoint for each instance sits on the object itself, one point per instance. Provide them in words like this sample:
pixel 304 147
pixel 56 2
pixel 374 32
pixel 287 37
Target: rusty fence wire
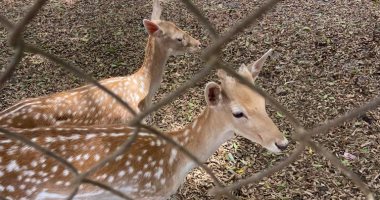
pixel 210 56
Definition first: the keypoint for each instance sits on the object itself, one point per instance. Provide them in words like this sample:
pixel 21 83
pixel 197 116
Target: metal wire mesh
pixel 210 55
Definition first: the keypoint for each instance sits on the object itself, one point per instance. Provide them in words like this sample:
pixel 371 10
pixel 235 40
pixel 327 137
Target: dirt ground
pixel 326 62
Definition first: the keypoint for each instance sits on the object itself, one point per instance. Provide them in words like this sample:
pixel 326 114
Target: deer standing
pixel 151 168
pixel 89 105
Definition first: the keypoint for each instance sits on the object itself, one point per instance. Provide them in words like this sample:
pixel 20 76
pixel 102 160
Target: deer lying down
pixel 88 105
pixel 151 169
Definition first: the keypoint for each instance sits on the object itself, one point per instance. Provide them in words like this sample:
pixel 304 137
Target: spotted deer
pixel 152 168
pixel 89 105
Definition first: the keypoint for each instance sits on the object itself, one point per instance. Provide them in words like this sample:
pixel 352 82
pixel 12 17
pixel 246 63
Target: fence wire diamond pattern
pixel 210 56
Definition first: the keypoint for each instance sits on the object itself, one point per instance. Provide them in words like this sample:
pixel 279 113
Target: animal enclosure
pixel 325 64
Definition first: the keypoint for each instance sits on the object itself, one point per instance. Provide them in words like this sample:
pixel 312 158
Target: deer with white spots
pixel 152 169
pixel 89 105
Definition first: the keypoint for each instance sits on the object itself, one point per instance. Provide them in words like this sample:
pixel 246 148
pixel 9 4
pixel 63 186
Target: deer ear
pixel 151 27
pixel 242 66
pixel 243 69
pixel 156 13
pixel 256 67
pixel 213 94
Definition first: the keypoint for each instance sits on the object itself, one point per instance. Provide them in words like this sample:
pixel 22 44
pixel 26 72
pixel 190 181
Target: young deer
pixel 88 105
pixel 151 168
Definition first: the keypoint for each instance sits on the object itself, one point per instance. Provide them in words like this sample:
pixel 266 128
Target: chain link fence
pixel 210 56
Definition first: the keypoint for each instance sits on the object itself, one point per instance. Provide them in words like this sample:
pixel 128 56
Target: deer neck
pixel 152 69
pixel 205 135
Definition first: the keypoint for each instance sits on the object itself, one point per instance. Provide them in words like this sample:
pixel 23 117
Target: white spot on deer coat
pixel 54 169
pixel 173 155
pixel 121 173
pixel 12 166
pixel 65 172
pixel 10 188
pixel 130 170
pixel 96 157
pixel 159 173
pixel 110 179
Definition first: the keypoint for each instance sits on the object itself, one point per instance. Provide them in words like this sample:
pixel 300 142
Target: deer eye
pixel 238 115
pixel 179 39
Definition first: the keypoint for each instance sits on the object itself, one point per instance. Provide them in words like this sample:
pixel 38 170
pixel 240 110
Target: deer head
pixel 168 34
pixel 244 109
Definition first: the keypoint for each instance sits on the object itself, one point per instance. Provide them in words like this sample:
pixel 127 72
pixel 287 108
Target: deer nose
pixel 282 147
